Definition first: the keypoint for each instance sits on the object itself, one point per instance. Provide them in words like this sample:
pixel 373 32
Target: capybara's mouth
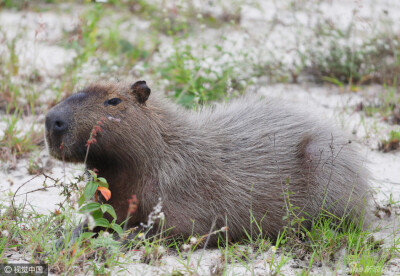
pixel 52 147
pixel 60 149
pixel 68 156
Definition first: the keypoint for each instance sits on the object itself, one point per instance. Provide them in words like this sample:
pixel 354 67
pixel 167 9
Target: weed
pixel 276 262
pixel 386 105
pixel 392 143
pixel 97 209
pixel 374 61
pixel 191 82
pixel 16 140
pixel 184 18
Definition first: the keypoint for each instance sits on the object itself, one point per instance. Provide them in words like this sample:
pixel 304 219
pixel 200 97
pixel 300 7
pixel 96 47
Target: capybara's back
pixel 274 161
pixel 251 159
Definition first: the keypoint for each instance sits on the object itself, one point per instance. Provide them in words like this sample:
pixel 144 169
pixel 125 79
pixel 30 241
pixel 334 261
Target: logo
pixel 8 269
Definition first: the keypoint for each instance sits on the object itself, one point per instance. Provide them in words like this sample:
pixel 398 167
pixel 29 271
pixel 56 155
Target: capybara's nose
pixel 60 126
pixel 56 124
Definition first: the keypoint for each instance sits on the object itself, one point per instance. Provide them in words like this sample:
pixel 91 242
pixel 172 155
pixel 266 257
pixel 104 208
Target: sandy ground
pixel 39 50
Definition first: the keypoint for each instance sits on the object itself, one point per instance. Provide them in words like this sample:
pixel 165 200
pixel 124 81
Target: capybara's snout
pixel 61 134
pixel 57 122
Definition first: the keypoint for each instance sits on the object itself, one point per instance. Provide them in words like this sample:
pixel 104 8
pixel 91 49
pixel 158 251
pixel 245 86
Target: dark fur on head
pixel 216 165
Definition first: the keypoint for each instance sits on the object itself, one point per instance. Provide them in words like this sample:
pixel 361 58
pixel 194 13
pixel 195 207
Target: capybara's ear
pixel 141 91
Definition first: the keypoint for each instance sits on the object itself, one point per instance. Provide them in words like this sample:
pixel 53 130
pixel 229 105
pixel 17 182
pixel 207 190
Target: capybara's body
pixel 248 160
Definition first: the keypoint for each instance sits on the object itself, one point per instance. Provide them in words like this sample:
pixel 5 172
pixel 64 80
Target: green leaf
pixel 97 214
pixel 102 182
pixel 87 235
pixel 102 222
pixel 93 174
pixel 117 228
pixel 90 207
pixel 81 200
pixel 90 189
pixel 108 208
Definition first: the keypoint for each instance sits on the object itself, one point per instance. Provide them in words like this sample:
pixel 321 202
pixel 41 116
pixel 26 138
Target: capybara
pixel 221 166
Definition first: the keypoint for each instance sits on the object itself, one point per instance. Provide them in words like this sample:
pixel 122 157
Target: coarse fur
pixel 219 165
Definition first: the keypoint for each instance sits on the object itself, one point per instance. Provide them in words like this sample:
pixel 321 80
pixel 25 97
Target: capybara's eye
pixel 113 101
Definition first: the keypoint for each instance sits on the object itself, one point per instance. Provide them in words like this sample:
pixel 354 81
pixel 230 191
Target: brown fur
pixel 219 165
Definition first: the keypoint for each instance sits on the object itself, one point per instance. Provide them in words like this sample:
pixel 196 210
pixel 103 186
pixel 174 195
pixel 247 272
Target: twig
pixel 13 199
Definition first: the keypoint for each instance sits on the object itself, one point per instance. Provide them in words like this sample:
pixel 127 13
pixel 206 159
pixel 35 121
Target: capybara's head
pixel 99 117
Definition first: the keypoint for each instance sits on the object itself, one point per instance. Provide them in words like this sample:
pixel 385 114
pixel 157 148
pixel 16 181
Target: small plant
pixel 375 60
pixel 96 209
pixel 386 105
pixel 152 253
pixel 180 19
pixel 16 140
pixel 392 143
pixel 192 83
pixel 274 261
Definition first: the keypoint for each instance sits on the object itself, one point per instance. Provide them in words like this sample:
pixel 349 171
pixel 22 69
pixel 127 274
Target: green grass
pixel 376 60
pixel 182 19
pixel 391 143
pixel 16 140
pixel 386 105
pixel 28 232
pixel 192 83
